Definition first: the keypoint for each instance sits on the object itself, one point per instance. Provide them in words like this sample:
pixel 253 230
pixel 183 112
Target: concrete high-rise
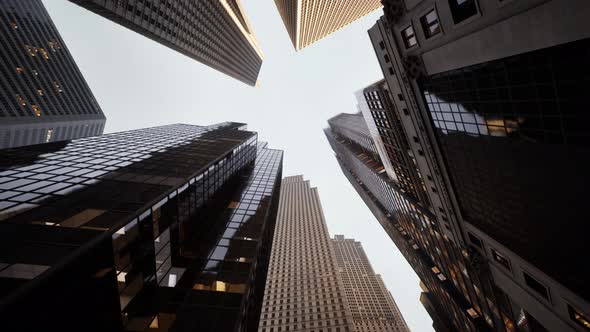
pixel 158 229
pixel 216 33
pixel 371 304
pixel 495 115
pixel 43 96
pixel 303 290
pixel 308 21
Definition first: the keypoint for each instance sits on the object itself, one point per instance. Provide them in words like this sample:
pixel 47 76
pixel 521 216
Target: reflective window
pixel 409 37
pixel 462 9
pixel 430 24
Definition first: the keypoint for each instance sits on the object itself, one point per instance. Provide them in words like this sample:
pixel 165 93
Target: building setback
pixel 215 33
pixel 495 118
pixel 371 304
pixel 308 21
pixel 159 229
pixel 43 96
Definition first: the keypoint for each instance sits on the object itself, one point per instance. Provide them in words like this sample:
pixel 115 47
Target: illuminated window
pixel 233 205
pixel 57 87
pixel 36 110
pixel 13 25
pixel 45 54
pixel 578 317
pixel 48 136
pixel 435 269
pixel 35 72
pixel 21 100
pixel 20 70
pixel 472 312
pixel 40 92
pixel 32 50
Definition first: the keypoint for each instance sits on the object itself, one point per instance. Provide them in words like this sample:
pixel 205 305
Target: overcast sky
pixel 139 83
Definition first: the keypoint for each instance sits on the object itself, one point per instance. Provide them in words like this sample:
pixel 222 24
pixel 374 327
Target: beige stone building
pixel 303 292
pixel 305 289
pixel 372 306
pixel 308 21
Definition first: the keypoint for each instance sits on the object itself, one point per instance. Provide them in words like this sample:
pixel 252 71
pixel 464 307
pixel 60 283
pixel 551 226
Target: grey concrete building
pixel 371 304
pixel 303 289
pixel 495 113
pixel 216 33
pixel 43 96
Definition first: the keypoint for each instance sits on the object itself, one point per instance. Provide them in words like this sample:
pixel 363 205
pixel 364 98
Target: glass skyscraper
pixel 159 229
pixel 43 96
pixel 216 33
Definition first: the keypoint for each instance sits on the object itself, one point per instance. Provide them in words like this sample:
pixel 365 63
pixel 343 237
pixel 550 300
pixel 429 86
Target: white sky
pixel 140 83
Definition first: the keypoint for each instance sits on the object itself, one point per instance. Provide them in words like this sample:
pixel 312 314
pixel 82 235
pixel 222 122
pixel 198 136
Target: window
pixel 409 37
pixel 36 110
pixel 535 285
pixel 405 110
pixel 382 45
pixel 501 259
pixel 578 317
pixel 48 135
pixel 400 96
pixel 475 240
pixel 430 24
pixel 390 71
pixel 462 9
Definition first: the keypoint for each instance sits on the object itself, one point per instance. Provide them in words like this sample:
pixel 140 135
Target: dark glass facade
pixel 514 135
pixel 158 229
pixel 468 299
pixel 43 96
pixel 216 33
pixel 390 129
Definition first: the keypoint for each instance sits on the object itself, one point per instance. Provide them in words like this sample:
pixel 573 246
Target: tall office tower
pixel 450 274
pixel 160 229
pixel 303 291
pixel 500 115
pixel 308 21
pixel 215 33
pixel 371 304
pixel 43 96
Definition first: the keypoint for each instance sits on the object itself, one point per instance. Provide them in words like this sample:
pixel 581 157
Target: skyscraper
pixel 43 96
pixel 159 229
pixel 215 33
pixel 316 283
pixel 303 291
pixel 371 304
pixel 308 21
pixel 498 108
pixel 448 272
pixel 488 109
